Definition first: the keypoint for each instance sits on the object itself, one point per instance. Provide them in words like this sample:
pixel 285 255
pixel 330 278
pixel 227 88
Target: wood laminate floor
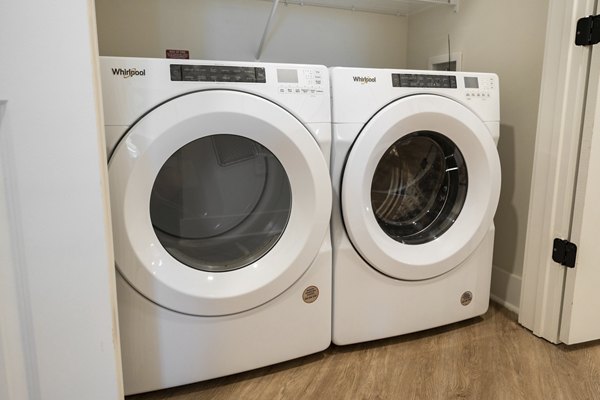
pixel 491 357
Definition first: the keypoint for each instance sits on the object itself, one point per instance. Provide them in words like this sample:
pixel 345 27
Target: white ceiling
pixel 392 7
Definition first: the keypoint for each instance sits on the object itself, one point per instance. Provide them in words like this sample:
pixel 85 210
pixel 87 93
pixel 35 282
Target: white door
pixel 220 201
pixel 557 303
pixel 581 302
pixel 420 187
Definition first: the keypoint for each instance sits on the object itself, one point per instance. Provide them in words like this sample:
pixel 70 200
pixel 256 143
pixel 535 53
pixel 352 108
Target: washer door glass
pixel 410 207
pixel 220 203
pixel 419 187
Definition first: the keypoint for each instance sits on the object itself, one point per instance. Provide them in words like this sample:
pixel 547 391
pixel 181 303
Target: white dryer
pixel 416 180
pixel 221 199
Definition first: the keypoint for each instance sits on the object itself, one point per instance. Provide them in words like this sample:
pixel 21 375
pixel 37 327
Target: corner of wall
pixel 506 289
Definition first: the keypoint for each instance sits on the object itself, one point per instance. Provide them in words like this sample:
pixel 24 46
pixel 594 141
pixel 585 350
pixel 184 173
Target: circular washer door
pixel 420 187
pixel 220 201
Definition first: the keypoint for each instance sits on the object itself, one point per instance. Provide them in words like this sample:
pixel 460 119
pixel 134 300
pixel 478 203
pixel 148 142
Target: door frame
pixel 560 120
pixel 59 336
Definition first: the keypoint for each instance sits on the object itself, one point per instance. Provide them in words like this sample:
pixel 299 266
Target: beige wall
pixel 505 37
pixel 232 30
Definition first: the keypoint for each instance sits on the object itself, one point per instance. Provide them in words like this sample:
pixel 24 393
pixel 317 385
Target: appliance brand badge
pixel 128 73
pixel 310 294
pixel 363 80
pixel 466 298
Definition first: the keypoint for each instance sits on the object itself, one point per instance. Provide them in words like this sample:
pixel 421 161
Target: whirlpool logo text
pixel 128 73
pixel 364 79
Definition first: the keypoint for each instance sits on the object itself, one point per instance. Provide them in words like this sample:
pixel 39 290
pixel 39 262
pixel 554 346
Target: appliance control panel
pixel 479 88
pixel 472 88
pixel 424 81
pixel 302 81
pixel 217 73
pixel 293 81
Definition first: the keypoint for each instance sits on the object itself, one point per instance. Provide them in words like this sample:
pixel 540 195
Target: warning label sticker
pixel 180 54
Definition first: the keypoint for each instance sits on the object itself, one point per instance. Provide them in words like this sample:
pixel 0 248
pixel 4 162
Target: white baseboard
pixel 506 289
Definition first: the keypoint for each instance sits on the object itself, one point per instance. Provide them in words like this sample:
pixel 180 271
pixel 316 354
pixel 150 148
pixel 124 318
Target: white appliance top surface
pixel 133 86
pixel 359 93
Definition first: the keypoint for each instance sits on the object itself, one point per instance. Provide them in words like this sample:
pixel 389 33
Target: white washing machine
pixel 416 180
pixel 221 200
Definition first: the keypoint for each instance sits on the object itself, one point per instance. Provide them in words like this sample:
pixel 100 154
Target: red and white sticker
pixel 180 54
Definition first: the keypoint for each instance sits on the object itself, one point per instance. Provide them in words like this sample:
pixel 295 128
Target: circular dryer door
pixel 220 202
pixel 420 187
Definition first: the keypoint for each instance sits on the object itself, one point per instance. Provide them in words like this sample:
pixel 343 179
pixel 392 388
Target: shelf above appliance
pixel 389 7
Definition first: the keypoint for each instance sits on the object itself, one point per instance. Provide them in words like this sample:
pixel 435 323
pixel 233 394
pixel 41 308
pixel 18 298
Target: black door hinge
pixel 564 252
pixel 588 31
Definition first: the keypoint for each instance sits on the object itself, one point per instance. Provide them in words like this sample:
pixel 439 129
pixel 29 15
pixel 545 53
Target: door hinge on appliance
pixel 564 252
pixel 588 31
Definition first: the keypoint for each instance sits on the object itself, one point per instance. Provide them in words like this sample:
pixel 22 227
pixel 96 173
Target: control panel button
pixel 308 82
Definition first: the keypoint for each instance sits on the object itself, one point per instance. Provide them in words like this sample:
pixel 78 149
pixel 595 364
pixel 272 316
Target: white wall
pixel 58 332
pixel 232 30
pixel 505 37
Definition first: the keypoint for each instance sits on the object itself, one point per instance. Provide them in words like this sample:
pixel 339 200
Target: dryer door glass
pixel 419 187
pixel 220 203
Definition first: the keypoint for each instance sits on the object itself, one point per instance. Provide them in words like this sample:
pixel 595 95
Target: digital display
pixel 471 82
pixel 287 76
